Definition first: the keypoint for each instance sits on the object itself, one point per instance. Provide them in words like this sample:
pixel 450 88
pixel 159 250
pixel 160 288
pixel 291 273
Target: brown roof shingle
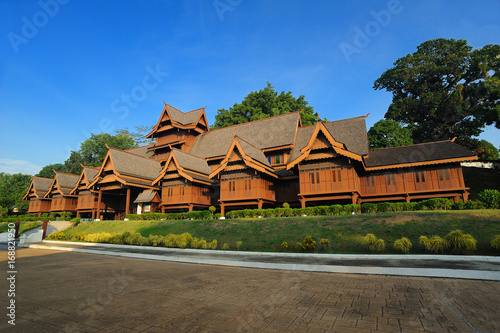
pixel 145 196
pixel 191 162
pixel 265 133
pixel 184 118
pixel 129 164
pixel 351 132
pixel 425 152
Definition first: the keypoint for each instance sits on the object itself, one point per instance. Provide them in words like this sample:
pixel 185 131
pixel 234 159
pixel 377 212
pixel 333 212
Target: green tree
pixel 263 104
pixel 48 170
pixel 73 163
pixel 444 90
pixel 139 135
pixel 13 187
pixel 388 133
pixel 487 151
pixel 93 150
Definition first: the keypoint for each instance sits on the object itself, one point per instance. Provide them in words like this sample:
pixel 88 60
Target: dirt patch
pixel 397 219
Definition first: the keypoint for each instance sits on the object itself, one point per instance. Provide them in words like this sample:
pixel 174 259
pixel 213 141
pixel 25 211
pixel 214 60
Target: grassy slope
pixel 344 232
pixel 25 226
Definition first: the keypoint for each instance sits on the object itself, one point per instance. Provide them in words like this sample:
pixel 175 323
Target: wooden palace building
pixel 258 164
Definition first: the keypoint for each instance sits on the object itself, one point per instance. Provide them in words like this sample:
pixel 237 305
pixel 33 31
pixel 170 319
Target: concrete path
pixel 80 292
pixel 461 267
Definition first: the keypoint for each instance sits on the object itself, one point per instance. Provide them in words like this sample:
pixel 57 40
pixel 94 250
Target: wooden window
pixel 317 177
pixel 278 159
pixel 370 181
pixel 339 174
pixel 440 172
pixel 446 174
pixel 311 175
pixel 391 179
pixel 420 176
pixel 269 160
pixel 334 176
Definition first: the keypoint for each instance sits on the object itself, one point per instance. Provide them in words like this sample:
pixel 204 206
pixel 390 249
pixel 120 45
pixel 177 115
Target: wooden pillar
pixel 163 209
pixel 77 213
pixel 259 204
pixel 465 195
pixel 127 204
pixel 222 209
pixel 93 214
pixel 354 198
pixel 303 202
pixel 407 198
pixel 190 207
pixel 99 200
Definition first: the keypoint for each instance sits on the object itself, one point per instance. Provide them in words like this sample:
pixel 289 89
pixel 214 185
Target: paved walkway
pixel 464 267
pixel 79 292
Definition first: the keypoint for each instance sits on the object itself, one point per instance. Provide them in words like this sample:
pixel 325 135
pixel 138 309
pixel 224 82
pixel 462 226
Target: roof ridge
pixel 253 121
pixel 42 178
pixel 149 144
pixel 239 137
pixel 185 152
pixel 335 121
pixel 127 152
pixel 65 173
pixel 203 109
pixel 415 144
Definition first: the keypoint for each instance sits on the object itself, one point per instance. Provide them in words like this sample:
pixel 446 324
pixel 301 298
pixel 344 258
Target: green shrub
pixel 217 216
pixel 298 246
pixel 213 245
pixel 383 207
pixel 402 245
pixel 212 209
pixel 336 209
pixel 309 243
pixel 490 198
pixel 280 212
pixel 325 242
pixel 350 208
pixel 284 246
pixel 369 208
pixel 473 205
pixel 373 244
pixel 459 243
pixel 80 237
pixel 101 237
pixel 309 211
pixel 57 236
pixel 239 244
pixel 435 244
pixel 286 205
pixel 495 242
pixel 458 205
pixel 225 246
pixel 75 221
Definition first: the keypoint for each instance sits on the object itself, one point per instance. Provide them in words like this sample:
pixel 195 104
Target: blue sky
pixel 68 67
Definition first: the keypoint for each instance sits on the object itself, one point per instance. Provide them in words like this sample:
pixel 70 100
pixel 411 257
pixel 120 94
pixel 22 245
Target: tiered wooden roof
pixel 174 118
pixel 128 169
pixel 86 178
pixel 248 154
pixel 191 167
pixel 38 188
pixel 265 134
pixel 63 184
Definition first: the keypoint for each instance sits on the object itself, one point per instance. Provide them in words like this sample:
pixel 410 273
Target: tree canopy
pixel 487 151
pixel 388 133
pixel 13 187
pixel 444 90
pixel 263 104
pixel 91 153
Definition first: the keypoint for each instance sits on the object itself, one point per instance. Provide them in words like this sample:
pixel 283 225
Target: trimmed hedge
pixel 195 215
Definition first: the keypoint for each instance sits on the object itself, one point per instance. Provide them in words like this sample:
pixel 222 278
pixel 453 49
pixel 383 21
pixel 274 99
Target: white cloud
pixel 18 166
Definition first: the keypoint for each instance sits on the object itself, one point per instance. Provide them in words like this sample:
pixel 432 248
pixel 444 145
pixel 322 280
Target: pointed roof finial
pixel 367 115
pixel 453 140
pixel 234 135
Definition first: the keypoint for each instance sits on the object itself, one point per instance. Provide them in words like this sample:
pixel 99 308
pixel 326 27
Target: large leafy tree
pixel 48 170
pixel 93 150
pixel 263 104
pixel 444 90
pixel 12 189
pixel 91 153
pixel 389 133
pixel 487 151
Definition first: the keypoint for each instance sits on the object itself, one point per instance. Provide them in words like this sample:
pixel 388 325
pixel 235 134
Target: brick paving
pixel 77 292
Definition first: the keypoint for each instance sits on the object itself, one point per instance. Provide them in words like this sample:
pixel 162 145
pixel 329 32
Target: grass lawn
pixel 344 232
pixel 25 226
